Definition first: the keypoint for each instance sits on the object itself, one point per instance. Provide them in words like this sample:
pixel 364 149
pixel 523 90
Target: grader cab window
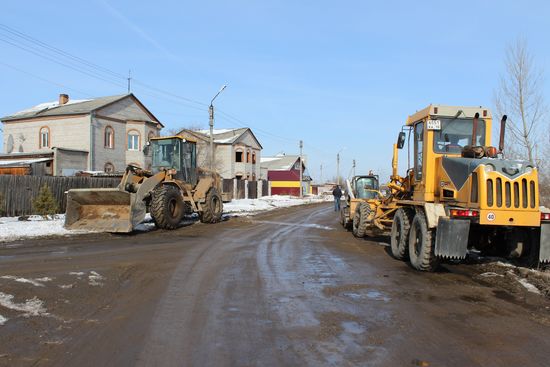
pixel 455 134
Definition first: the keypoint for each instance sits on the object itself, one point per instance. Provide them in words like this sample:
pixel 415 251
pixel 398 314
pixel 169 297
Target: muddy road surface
pixel 285 288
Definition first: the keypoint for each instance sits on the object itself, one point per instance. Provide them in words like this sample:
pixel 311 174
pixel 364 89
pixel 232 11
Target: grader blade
pixel 103 210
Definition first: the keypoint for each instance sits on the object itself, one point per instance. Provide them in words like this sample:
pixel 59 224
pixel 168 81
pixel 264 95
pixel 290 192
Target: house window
pixel 133 140
pixel 109 137
pixel 253 157
pixel 44 137
pixel 109 168
pixel 238 156
pixel 248 156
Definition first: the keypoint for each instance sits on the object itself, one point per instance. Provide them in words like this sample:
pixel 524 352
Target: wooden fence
pixel 18 192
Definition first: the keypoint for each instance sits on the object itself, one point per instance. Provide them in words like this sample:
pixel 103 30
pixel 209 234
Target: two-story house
pixel 237 152
pixel 104 134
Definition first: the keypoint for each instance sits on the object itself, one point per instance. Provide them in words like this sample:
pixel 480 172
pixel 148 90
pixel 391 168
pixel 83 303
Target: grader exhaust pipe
pixel 502 132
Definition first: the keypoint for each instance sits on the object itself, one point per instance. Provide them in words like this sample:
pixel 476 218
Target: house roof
pixel 279 162
pixel 222 136
pixel 73 107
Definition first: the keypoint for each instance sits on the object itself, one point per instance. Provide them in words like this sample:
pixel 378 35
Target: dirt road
pixel 286 288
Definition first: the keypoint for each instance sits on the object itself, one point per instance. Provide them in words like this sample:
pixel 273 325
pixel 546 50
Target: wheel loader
pixel 174 187
pixel 360 190
pixel 460 193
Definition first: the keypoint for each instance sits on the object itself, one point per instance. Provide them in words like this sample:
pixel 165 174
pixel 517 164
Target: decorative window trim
pixel 133 132
pixel 253 157
pixel 40 137
pixel 108 164
pixel 111 144
pixel 239 150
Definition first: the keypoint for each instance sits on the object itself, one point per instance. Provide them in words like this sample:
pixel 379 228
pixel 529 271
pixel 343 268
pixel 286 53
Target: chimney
pixel 63 98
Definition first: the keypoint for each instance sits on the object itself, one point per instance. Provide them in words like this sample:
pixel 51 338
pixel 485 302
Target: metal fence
pixel 18 192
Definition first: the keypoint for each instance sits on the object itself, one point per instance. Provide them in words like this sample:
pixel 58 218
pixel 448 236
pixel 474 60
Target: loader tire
pixel 422 244
pixel 360 220
pixel 167 207
pixel 400 230
pixel 212 208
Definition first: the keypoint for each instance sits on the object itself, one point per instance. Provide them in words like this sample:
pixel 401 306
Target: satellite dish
pixel 9 144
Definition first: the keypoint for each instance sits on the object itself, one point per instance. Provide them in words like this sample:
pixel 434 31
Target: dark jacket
pixel 337 193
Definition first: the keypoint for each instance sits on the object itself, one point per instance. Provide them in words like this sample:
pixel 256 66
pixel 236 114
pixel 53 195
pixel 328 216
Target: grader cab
pixel 174 187
pixel 461 193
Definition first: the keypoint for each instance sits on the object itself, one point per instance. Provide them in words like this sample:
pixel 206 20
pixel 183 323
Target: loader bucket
pixel 102 210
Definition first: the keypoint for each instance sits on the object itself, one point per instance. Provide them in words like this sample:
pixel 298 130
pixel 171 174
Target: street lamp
pixel 211 123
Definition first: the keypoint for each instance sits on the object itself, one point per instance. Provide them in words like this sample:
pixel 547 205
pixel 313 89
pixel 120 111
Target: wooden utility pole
pixel 301 168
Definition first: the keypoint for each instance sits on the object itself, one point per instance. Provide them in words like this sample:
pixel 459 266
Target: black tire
pixel 422 244
pixel 359 227
pixel 400 230
pixel 167 207
pixel 212 208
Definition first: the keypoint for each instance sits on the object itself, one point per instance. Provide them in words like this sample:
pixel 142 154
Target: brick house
pixel 283 173
pixel 237 152
pixel 107 132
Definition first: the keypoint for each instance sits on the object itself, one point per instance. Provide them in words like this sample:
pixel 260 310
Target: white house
pixel 109 132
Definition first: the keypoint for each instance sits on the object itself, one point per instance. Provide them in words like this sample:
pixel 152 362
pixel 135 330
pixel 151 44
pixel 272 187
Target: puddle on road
pixel 356 292
pixel 305 225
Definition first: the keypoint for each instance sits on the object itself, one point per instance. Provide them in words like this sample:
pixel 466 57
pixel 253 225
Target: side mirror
pixel 401 140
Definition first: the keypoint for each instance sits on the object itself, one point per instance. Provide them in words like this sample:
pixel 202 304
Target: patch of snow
pixel 2 320
pixel 77 273
pixel 215 131
pixel 95 279
pixel 490 274
pixel 66 286
pixel 242 207
pixel 35 282
pixel 530 287
pixel 47 106
pixel 31 307
pixel 11 228
pixel 44 279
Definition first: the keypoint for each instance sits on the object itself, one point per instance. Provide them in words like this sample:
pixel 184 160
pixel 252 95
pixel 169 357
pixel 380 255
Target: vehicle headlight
pixel 489 168
pixel 528 169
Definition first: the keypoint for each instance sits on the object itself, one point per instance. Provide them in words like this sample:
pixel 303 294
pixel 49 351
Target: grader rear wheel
pixel 212 208
pixel 167 207
pixel 400 233
pixel 422 244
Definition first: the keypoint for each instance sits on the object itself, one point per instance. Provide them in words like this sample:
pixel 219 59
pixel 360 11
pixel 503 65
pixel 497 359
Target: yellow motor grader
pixel 460 193
pixel 174 187
pixel 359 192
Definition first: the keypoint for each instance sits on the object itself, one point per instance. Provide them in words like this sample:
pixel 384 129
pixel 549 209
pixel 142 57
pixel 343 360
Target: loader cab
pixel 366 187
pixel 175 153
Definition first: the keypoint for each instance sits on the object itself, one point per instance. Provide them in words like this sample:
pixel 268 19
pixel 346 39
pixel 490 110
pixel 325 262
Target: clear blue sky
pixel 335 74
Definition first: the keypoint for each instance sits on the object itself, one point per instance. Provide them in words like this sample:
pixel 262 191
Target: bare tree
pixel 194 126
pixel 520 97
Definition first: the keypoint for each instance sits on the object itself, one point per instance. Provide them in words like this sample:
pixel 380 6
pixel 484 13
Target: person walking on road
pixel 337 193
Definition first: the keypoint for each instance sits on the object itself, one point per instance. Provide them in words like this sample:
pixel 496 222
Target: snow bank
pixel 2 320
pixel 242 207
pixel 12 229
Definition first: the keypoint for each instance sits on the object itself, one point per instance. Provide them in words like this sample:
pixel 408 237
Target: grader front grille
pixel 511 194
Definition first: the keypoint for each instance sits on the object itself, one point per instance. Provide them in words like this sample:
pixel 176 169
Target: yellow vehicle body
pixel 460 193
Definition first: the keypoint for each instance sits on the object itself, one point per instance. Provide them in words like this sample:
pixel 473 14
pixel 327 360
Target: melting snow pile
pixel 251 206
pixel 11 228
pixel 31 307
